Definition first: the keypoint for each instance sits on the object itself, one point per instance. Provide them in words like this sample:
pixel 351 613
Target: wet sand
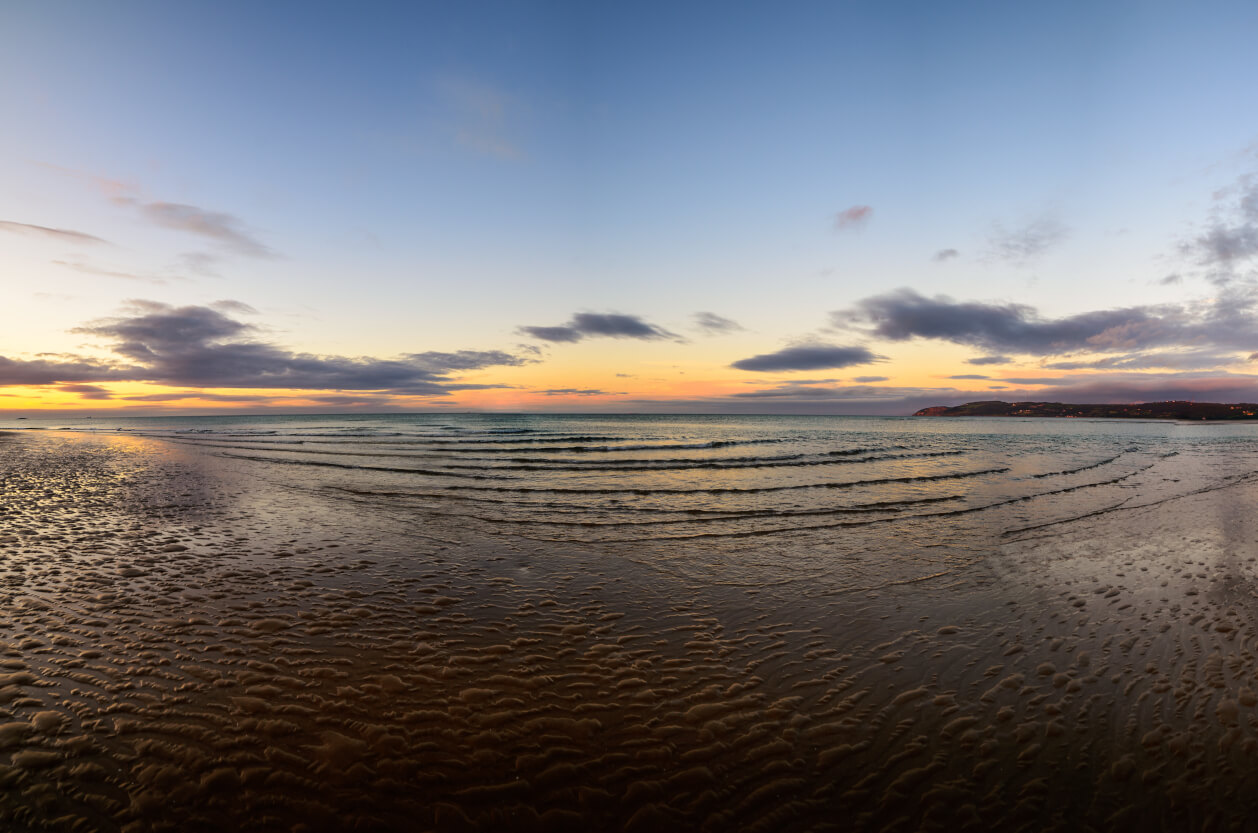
pixel 187 646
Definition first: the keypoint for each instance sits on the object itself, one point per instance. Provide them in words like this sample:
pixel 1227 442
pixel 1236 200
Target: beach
pixel 682 626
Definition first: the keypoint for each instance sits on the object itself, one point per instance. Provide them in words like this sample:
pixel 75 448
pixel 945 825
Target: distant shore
pixel 1142 410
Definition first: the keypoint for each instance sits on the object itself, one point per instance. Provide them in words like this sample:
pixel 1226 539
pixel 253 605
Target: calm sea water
pixel 918 492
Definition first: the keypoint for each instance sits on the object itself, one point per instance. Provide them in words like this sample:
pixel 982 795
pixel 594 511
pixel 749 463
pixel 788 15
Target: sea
pixel 525 621
pixel 695 481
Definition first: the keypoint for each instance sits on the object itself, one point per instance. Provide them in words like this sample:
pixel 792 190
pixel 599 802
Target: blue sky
pixel 370 182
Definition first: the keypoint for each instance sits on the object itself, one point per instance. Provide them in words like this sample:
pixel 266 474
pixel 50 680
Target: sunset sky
pixel 700 207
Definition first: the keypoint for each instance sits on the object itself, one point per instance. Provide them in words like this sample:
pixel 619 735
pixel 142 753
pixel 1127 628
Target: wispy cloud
pixel 853 217
pixel 944 254
pixel 574 392
pixel 89 269
pixel 225 229
pixel 1177 359
pixel 584 325
pixel 712 324
pixel 65 235
pixel 200 263
pixel 480 116
pixel 1232 237
pixel 1025 243
pixel 986 360
pixel 808 357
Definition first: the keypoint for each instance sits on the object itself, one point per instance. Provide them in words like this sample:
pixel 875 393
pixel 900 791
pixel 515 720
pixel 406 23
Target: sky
pixel 839 207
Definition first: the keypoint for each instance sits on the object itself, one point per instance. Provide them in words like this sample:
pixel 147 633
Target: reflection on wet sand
pixel 191 646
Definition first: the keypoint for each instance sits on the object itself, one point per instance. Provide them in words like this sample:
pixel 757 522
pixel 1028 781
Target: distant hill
pixel 1144 410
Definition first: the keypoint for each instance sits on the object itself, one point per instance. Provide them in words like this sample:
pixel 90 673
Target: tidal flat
pixel 202 637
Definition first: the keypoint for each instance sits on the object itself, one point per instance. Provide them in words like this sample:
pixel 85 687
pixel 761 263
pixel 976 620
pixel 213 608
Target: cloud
pixel 222 228
pixel 464 360
pixel 574 392
pixel 200 263
pixel 558 334
pixel 1040 380
pixel 599 325
pixel 1232 237
pixel 944 254
pixel 808 357
pixel 866 379
pixel 984 360
pixel 87 391
pixel 229 305
pixel 177 396
pixel 219 227
pixel 804 392
pixel 68 235
pixel 1026 242
pixel 1154 387
pixel 1226 321
pixel 88 269
pixel 201 346
pixel 479 117
pixel 713 324
pixel 853 217
pixel 970 376
pixel 61 369
pixel 1179 359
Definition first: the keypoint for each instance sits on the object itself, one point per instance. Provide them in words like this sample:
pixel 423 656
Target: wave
pixel 711 490
pixel 1105 462
pixel 844 524
pixel 527 464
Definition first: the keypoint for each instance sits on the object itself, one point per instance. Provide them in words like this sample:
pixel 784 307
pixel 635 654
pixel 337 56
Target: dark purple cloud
pixel 808 357
pixel 1226 322
pixel 87 391
pixel 201 346
pixel 599 325
pixel 63 369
